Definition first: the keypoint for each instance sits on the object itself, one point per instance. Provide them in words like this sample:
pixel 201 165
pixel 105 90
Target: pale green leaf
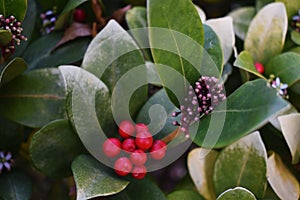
pixel 292 7
pixel 184 195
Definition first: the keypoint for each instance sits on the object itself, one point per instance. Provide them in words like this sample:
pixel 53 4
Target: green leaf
pixel 259 4
pixel 241 20
pixel 245 61
pixel 15 186
pixel 295 36
pixel 93 179
pixel 50 5
pixel 292 7
pixel 11 135
pixel 140 189
pixel 17 8
pixel 157 114
pixel 54 147
pixel 85 89
pixel 213 47
pixel 184 195
pixel 200 164
pixel 246 104
pixel 296 50
pixel 34 99
pixel 223 27
pixel 5 37
pixel 176 43
pixel 13 69
pixel 43 54
pixel 283 182
pixel 72 4
pixel 266 33
pixel 243 163
pixel 291 132
pixel 28 25
pixel 136 19
pixel 237 193
pixel 286 66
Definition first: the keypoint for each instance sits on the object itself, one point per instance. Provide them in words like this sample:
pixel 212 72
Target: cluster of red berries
pixel 136 142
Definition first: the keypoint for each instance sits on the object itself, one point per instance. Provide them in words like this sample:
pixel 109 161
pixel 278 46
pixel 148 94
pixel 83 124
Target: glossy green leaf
pixel 85 89
pixel 5 37
pixel 246 62
pixel 266 33
pixel 140 189
pixel 238 193
pixel 292 7
pixel 34 99
pixel 54 147
pixel 28 25
pixel 295 36
pixel 291 131
pixel 246 104
pixel 283 182
pixel 223 27
pixel 17 8
pixel 201 13
pixel 243 163
pixel 176 39
pixel 11 135
pixel 242 17
pixel 136 19
pixel 288 110
pixel 213 46
pixel 15 186
pixel 13 69
pixel 42 53
pixel 184 195
pixel 157 114
pixel 200 164
pixel 286 66
pixel 72 4
pixel 93 179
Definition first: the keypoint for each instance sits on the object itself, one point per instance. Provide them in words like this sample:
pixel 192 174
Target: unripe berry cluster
pixel 12 25
pixel 136 142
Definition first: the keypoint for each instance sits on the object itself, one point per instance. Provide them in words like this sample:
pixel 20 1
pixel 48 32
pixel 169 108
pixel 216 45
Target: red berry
pixel 128 144
pixel 138 157
pixel 123 166
pixel 140 127
pixel 126 129
pixel 144 140
pixel 79 15
pixel 139 172
pixel 259 67
pixel 158 150
pixel 111 147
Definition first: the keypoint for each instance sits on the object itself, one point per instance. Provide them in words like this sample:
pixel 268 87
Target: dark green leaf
pixel 262 41
pixel 157 114
pixel 34 99
pixel 110 55
pixel 244 111
pixel 286 66
pixel 42 53
pixel 28 25
pixel 17 8
pixel 184 195
pixel 11 135
pixel 241 19
pixel 243 163
pixel 238 193
pixel 58 5
pixel 54 147
pixel 176 39
pixel 72 4
pixel 140 189
pixel 245 61
pixel 13 69
pixel 93 180
pixel 213 46
pixel 295 36
pixel 5 37
pixel 15 186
